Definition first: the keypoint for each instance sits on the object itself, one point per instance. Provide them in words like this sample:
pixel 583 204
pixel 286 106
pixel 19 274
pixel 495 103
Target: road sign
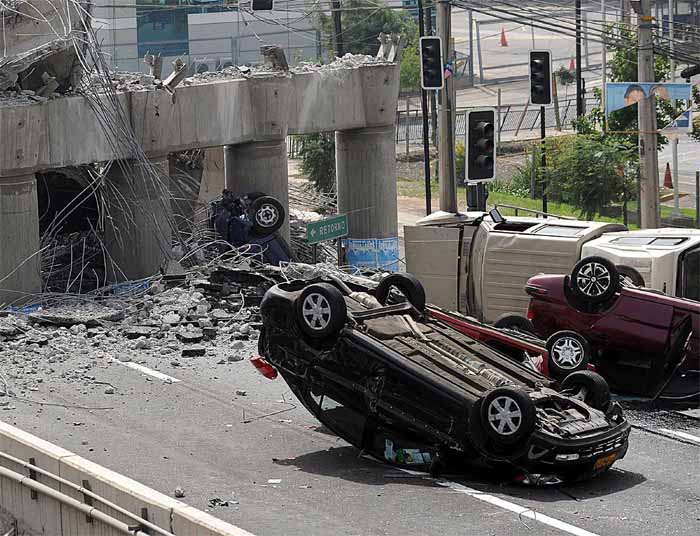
pixel 335 227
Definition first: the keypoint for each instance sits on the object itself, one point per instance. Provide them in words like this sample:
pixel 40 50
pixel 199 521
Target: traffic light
pixel 262 5
pixel 540 77
pixel 431 66
pixel 481 145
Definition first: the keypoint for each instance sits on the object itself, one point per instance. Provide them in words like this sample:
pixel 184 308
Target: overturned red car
pixel 642 341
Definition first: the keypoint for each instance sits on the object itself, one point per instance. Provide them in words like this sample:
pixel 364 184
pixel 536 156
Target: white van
pixel 662 259
pixel 479 264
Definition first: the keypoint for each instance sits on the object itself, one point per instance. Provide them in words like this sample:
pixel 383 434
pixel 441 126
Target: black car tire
pixel 508 415
pixel 515 322
pixel 321 311
pixel 595 280
pixel 631 275
pixel 266 214
pixel 568 352
pixel 597 390
pixel 407 284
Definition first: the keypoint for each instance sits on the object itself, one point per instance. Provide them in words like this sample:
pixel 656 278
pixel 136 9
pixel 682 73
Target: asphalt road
pixel 199 435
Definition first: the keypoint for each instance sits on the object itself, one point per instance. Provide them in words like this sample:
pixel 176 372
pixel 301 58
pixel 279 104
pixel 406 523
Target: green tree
pixel 317 155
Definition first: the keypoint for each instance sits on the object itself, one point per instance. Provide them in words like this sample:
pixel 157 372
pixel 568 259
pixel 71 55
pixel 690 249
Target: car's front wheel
pixel 568 352
pixel 321 311
pixel 407 285
pixel 589 387
pixel 267 215
pixel 514 322
pixel 508 415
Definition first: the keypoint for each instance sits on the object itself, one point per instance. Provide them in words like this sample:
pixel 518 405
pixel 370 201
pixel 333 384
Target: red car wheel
pixel 568 352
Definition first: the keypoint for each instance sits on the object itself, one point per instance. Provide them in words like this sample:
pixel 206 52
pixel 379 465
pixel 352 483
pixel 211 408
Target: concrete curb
pixel 45 515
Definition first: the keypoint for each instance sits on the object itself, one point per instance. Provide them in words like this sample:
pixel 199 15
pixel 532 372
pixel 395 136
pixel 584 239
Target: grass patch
pixel 412 188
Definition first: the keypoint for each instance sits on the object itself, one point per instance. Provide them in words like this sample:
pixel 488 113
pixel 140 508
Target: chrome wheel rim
pixel 316 311
pixel 504 415
pixel 593 279
pixel 567 353
pixel 266 215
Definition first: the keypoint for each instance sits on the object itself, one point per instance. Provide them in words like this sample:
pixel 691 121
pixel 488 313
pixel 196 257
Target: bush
pixel 587 171
pixel 317 155
pixel 460 156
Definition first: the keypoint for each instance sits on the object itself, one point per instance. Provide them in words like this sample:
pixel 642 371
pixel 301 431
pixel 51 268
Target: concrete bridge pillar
pixel 20 262
pixel 366 172
pixel 138 233
pixel 259 167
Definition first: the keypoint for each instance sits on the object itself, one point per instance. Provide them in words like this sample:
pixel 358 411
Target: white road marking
pixel 521 511
pixel 683 435
pixel 146 370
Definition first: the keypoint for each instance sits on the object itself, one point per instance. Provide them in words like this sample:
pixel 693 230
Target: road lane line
pixel 683 435
pixel 522 512
pixel 146 370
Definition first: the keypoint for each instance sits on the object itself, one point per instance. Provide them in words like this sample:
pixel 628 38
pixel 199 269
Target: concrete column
pixel 365 161
pixel 259 167
pixel 20 262
pixel 138 234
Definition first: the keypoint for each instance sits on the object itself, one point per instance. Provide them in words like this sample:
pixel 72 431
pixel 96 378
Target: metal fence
pixel 512 119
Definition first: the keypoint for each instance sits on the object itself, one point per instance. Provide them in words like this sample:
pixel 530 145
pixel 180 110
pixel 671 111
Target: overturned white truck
pixel 478 263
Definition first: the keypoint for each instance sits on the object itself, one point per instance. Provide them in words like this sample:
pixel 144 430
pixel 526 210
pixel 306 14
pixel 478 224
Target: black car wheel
pixel 321 311
pixel 266 214
pixel 568 352
pixel 630 276
pixel 514 322
pixel 589 387
pixel 595 280
pixel 406 284
pixel 508 415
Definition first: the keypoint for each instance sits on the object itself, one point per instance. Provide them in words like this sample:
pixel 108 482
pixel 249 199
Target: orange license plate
pixel 604 462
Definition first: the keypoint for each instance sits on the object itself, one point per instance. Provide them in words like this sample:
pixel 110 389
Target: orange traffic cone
pixel 504 41
pixel 668 179
pixel 572 65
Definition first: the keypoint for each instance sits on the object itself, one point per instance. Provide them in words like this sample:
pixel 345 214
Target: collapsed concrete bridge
pixel 249 116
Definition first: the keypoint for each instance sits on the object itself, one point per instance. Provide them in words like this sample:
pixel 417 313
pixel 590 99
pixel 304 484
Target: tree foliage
pixel 317 155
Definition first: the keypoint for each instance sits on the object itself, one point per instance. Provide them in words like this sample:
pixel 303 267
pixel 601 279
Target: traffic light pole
pixel 337 30
pixel 543 158
pixel 448 181
pixel 424 115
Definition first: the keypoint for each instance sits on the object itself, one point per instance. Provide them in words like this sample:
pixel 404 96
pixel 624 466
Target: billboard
pixel 621 94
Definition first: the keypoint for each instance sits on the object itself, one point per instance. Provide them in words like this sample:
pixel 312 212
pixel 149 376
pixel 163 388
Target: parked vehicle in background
pixel 478 264
pixel 641 341
pixel 662 259
pixel 410 390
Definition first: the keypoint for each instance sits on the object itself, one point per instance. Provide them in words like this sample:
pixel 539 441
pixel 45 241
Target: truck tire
pixel 594 280
pixel 321 311
pixel 406 284
pixel 508 415
pixel 515 322
pixel 630 275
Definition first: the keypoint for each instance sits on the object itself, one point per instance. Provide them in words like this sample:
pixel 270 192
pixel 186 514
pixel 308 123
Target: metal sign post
pixel 328 229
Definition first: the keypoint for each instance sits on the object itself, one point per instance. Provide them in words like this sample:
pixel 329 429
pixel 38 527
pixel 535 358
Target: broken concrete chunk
pixel 194 351
pixel 190 336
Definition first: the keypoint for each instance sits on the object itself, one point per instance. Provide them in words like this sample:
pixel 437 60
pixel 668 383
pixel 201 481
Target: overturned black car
pixel 412 391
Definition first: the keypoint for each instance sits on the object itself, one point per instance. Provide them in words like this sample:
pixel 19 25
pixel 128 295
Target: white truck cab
pixel 666 259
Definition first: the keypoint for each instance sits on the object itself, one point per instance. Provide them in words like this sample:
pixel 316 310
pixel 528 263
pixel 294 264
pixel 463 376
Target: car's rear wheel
pixel 595 280
pixel 588 386
pixel 407 285
pixel 321 311
pixel 515 322
pixel 508 415
pixel 568 352
pixel 266 214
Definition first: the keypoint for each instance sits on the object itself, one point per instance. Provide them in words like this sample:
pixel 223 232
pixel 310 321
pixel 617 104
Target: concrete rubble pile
pixel 205 318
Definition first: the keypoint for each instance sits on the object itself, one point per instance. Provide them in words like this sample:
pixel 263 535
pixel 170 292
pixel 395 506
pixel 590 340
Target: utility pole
pixel 604 59
pixel 579 82
pixel 625 9
pixel 648 156
pixel 471 46
pixel 446 145
pixel 337 29
pixel 674 142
